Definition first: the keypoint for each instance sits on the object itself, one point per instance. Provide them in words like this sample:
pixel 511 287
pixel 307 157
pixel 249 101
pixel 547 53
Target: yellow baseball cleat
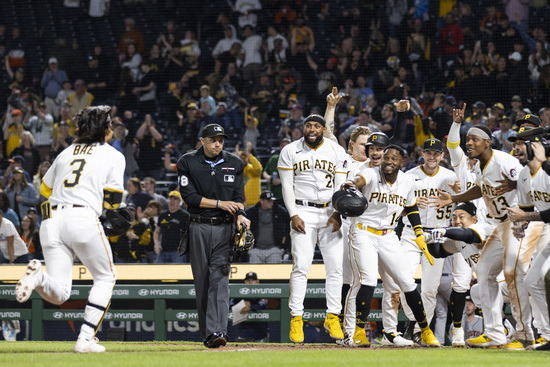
pixel 482 341
pixel 360 338
pixel 429 339
pixel 297 330
pixel 332 325
pixel 518 344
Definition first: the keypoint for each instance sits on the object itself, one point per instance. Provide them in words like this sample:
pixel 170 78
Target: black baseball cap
pixel 251 275
pixel 212 130
pixel 433 144
pixel 525 129
pixel 468 207
pixel 267 195
pixel 530 119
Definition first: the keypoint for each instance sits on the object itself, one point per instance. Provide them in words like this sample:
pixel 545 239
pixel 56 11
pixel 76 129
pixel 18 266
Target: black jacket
pixel 281 224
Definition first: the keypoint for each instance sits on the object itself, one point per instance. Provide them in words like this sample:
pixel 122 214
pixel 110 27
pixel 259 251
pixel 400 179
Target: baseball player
pixel 85 178
pixel 533 188
pixel 310 169
pixel 375 245
pixel 502 250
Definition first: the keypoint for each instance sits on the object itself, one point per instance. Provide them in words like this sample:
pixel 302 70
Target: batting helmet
pixel 349 202
pixel 116 222
pixel 379 139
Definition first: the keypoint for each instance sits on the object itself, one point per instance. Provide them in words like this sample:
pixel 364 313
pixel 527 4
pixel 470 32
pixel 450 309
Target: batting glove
pixel 437 235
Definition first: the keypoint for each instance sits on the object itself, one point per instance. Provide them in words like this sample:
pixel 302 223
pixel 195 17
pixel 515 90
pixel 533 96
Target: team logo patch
pixel 513 173
pixel 184 181
pixel 345 163
pixel 229 178
pixel 217 128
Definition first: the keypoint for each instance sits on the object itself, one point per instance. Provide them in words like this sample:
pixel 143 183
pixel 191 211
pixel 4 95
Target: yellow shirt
pixel 13 140
pixel 253 185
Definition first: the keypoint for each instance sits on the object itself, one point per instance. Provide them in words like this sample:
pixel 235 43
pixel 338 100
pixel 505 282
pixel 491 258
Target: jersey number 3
pixel 77 172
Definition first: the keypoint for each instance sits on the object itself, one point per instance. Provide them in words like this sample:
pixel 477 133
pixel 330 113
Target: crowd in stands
pixel 257 68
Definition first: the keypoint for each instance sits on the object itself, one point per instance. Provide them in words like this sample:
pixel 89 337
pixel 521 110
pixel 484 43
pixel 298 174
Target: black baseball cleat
pixel 545 347
pixel 216 340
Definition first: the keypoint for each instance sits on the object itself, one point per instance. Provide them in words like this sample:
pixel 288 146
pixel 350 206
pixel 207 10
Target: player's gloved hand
pixel 438 235
pixel 421 243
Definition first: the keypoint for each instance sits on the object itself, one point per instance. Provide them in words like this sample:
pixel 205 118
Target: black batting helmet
pixel 379 139
pixel 116 222
pixel 349 202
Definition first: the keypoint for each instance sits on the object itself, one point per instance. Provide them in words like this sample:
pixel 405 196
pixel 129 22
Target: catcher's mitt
pixel 244 239
pixel 116 222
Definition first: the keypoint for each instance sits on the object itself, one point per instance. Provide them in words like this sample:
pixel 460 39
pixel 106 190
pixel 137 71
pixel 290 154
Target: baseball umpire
pixel 211 183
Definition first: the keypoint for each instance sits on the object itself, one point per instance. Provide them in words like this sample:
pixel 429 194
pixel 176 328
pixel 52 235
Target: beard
pixel 316 142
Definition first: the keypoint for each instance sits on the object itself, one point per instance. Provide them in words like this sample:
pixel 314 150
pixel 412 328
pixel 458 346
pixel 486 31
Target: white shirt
pixel 97 8
pixel 385 201
pixel 534 190
pixel 500 164
pixel 314 169
pixel 428 185
pixel 251 49
pixel 246 5
pixel 42 130
pixel 7 229
pixel 81 172
pixel 271 42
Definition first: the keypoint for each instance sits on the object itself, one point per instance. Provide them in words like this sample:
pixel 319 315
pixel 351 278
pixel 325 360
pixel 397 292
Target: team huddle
pixel 488 215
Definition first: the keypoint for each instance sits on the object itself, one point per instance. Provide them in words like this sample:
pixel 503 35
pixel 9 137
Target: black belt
pixel 423 228
pixel 54 207
pixel 226 219
pixel 315 205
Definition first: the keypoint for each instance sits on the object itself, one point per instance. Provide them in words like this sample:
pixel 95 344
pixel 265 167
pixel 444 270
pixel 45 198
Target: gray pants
pixel 265 256
pixel 209 257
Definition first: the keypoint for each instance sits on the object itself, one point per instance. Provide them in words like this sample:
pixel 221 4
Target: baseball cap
pixel 192 105
pixel 516 56
pixel 251 275
pixel 175 193
pixel 468 207
pixel 221 104
pixel 479 104
pixel 524 129
pixel 17 158
pixel 267 195
pixel 433 144
pixel 31 209
pixel 476 115
pixel 469 298
pixel 530 119
pixel 498 105
pixel 516 98
pixel 52 60
pixel 212 130
pixel 16 112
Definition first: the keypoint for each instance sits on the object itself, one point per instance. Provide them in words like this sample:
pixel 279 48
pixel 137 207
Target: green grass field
pixel 166 354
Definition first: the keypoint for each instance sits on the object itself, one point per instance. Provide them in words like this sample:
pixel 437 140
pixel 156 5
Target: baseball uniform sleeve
pixel 523 199
pixel 453 145
pixel 368 175
pixel 187 188
pixel 115 178
pixel 341 168
pixel 511 169
pixel 286 161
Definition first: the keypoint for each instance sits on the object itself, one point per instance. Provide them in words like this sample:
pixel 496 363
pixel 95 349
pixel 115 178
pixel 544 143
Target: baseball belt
pixel 215 221
pixel 315 205
pixel 379 232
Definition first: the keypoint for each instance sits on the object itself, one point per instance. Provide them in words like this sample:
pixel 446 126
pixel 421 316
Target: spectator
pixel 170 37
pixel 132 35
pixel 15 49
pixel 251 133
pixel 98 81
pixel 120 245
pixel 450 42
pixel 150 143
pixel 247 12
pixel 37 178
pixel 190 44
pixel 81 98
pixel 271 172
pixel 131 59
pixel 62 140
pixel 296 119
pixel 219 116
pixel 21 194
pixel 8 212
pixel 273 36
pixel 226 43
pixel 168 231
pixel 99 8
pixel 13 248
pixel 30 236
pixel 127 147
pixel 252 174
pixel 150 186
pixel 364 119
pixel 17 77
pixel 544 114
pixel 146 89
pixel 206 97
pixel 257 332
pixel 517 11
pixel 387 124
pixel 136 195
pixel 28 151
pixel 226 57
pixel 52 82
pixel 537 60
pixel 262 96
pixel 188 128
pixel 504 134
pixel 41 127
pixel 142 244
pixel 473 324
pixel 13 130
pixel 63 96
pixel 269 222
pixel 252 45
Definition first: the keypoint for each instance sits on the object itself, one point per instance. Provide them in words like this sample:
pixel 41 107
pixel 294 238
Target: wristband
pixel 218 204
pixel 241 212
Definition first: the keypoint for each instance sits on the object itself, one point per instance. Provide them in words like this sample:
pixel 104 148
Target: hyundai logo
pixel 307 315
pixel 58 315
pixel 181 315
pixel 143 292
pixel 244 291
pixel 192 292
pixel 108 316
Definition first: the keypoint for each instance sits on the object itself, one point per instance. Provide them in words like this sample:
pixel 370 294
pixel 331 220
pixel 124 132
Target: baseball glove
pixel 116 222
pixel 244 239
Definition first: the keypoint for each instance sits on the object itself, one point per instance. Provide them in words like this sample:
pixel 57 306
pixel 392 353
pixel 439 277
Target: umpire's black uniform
pixel 211 230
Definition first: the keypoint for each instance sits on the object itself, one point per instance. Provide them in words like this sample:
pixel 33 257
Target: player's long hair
pixel 92 123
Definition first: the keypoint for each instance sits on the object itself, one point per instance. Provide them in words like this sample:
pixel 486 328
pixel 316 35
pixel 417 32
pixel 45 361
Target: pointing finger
pixel 463 107
pixel 334 91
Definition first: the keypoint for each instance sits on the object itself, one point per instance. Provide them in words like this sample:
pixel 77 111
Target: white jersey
pixel 500 164
pixel 470 251
pixel 81 172
pixel 314 169
pixel 385 201
pixel 355 166
pixel 7 229
pixel 534 190
pixel 428 185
